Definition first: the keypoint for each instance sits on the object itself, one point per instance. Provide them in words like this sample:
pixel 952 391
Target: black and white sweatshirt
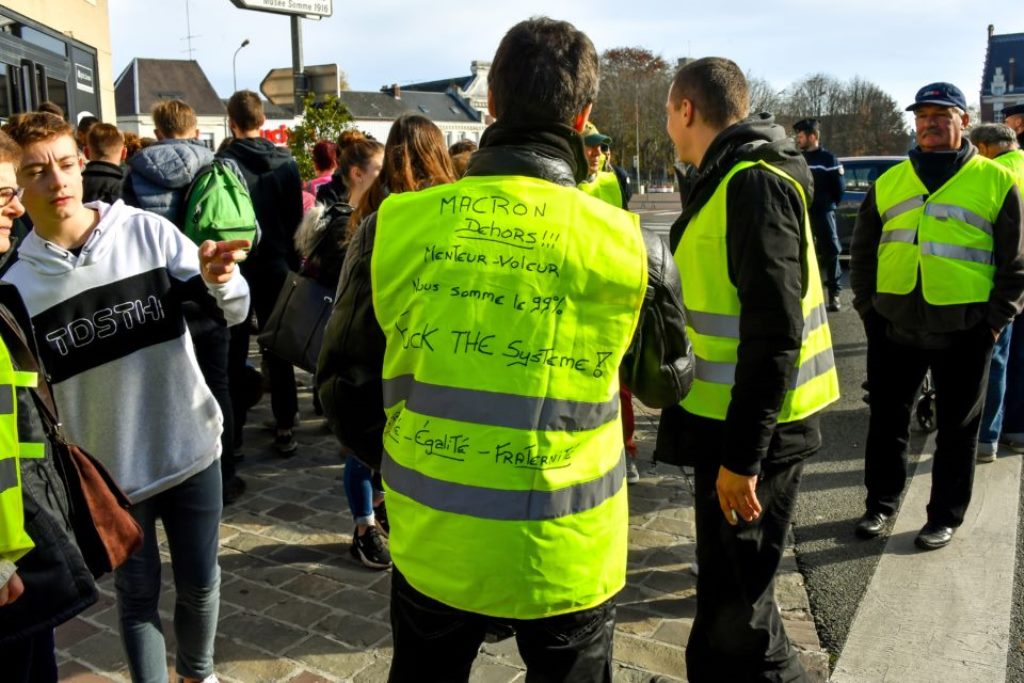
pixel 112 338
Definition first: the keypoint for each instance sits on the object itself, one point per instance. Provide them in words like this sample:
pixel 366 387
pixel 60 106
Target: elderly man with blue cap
pixel 937 273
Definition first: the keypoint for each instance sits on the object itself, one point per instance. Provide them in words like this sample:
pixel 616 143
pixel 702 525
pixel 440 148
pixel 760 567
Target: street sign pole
pixel 298 78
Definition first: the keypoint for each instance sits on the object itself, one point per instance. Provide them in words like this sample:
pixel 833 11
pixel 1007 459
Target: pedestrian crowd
pixel 496 308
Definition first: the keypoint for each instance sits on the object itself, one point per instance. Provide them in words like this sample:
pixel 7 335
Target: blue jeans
pixel 992 418
pixel 191 517
pixel 359 489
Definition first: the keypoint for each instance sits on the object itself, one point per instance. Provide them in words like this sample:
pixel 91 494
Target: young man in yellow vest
pixel 936 273
pixel 496 425
pixel 756 316
pixel 998 142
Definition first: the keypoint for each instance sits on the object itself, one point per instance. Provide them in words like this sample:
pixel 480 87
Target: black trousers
pixel 737 635
pixel 828 248
pixel 435 643
pixel 960 377
pixel 211 347
pixel 30 660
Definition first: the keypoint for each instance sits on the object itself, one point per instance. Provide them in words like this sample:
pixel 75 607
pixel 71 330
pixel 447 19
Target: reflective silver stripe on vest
pixel 946 211
pixel 725 373
pixel 815 319
pixel 8 474
pixel 501 504
pixel 714 324
pixel 815 366
pixel 499 410
pixel 714 372
pixel 982 256
pixel 903 207
pixel 907 236
pixel 722 325
pixel 6 399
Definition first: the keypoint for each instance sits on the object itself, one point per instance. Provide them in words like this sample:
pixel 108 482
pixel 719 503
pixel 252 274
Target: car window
pixel 860 175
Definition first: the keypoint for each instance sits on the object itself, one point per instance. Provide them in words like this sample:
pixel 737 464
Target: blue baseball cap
pixel 942 94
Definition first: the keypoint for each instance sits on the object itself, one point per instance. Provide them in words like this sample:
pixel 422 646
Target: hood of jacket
pixel 552 152
pixel 257 155
pixel 47 258
pixel 757 138
pixel 170 164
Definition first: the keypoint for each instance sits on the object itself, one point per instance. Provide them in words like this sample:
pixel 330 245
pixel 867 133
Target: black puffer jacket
pixel 58 585
pixel 276 190
pixel 765 243
pixel 658 366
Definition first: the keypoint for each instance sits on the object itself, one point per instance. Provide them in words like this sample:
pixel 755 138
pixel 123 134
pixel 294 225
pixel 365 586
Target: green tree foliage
pixel 321 120
pixel 631 103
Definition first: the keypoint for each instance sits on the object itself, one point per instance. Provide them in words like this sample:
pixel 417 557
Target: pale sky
pixel 896 44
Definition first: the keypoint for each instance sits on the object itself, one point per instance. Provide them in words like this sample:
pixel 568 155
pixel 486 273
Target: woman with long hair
pixel 415 157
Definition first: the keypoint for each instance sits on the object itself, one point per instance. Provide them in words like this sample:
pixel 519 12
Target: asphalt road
pixel 836 565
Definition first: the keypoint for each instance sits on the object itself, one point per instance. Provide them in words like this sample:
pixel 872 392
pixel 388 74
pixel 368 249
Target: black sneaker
pixel 233 489
pixel 371 548
pixel 286 444
pixel 380 513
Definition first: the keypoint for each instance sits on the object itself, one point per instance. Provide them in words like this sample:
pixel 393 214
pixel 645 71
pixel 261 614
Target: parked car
pixel 860 174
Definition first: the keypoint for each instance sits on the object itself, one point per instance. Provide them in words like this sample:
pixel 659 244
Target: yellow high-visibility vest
pixel 507 304
pixel 605 186
pixel 946 235
pixel 1013 161
pixel 713 316
pixel 14 541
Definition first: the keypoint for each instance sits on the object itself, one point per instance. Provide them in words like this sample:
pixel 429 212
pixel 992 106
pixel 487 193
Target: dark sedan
pixel 860 174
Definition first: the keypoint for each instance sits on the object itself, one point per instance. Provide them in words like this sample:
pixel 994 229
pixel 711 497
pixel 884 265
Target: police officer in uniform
pixel 756 315
pixel 482 377
pixel 937 273
pixel 828 192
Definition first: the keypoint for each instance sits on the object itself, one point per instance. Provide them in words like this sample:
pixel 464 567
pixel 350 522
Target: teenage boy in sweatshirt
pixel 104 285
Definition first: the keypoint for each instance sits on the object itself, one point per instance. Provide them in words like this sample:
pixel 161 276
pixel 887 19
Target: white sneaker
pixel 632 473
pixel 694 569
pixel 986 452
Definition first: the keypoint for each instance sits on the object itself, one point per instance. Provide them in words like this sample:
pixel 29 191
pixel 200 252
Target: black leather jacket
pixel 58 585
pixel 658 366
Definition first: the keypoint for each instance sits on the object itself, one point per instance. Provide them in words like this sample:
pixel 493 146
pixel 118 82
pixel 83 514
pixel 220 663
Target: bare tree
pixel 763 95
pixel 631 109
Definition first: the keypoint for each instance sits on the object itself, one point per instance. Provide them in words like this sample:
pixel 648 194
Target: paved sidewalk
pixel 296 607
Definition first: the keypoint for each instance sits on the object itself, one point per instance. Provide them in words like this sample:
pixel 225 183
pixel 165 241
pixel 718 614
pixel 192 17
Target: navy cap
pixel 1015 110
pixel 806 126
pixel 942 94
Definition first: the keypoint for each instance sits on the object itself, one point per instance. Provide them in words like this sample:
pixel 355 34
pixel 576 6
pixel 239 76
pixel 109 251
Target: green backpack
pixel 217 207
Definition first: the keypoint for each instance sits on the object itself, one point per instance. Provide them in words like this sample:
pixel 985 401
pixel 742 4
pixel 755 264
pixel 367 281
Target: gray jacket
pixel 159 175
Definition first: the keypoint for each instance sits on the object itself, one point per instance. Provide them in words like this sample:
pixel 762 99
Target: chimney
pixel 396 91
pixel 991 30
pixel 479 67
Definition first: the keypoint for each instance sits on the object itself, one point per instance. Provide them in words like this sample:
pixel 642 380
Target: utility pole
pixel 636 159
pixel 298 77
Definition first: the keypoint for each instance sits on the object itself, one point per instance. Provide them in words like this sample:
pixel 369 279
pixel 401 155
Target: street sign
pixel 278 86
pixel 313 8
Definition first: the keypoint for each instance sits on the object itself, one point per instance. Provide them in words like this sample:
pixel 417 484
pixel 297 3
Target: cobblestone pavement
pixel 296 607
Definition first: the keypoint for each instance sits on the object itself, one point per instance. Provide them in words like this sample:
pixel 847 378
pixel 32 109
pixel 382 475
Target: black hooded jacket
pixel 276 190
pixel 658 366
pixel 765 243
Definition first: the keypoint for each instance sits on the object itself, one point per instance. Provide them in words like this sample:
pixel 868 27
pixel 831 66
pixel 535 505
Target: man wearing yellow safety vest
pixel 603 181
pixel 498 311
pixel 997 141
pixel 755 312
pixel 43 579
pixel 937 274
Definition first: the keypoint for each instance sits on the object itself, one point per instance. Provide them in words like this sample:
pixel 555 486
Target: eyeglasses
pixel 8 194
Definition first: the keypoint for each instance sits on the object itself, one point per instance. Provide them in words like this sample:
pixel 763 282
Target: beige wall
pixel 87 21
